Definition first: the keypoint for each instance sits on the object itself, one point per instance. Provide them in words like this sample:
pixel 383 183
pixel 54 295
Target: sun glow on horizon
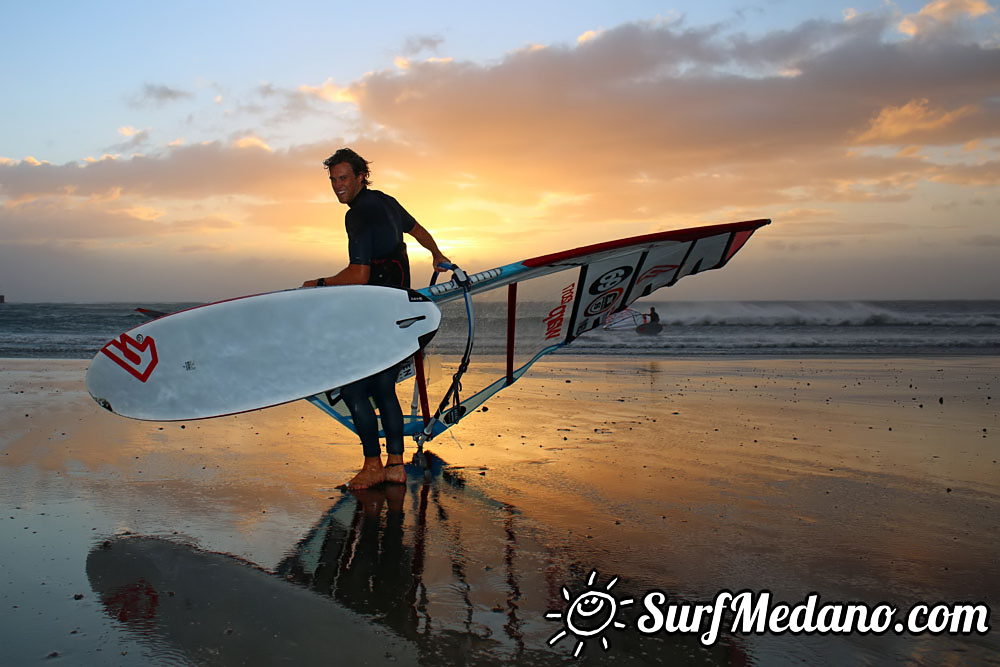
pixel 509 139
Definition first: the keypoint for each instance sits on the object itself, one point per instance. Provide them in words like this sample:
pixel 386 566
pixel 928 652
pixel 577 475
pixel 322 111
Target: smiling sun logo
pixel 589 614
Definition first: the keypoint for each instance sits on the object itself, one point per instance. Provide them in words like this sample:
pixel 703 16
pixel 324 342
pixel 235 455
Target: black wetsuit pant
pixel 358 397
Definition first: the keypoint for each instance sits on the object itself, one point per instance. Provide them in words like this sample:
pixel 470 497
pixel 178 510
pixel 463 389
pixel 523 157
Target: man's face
pixel 345 183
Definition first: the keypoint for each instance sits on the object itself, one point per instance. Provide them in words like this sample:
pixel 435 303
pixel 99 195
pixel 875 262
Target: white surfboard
pixel 258 351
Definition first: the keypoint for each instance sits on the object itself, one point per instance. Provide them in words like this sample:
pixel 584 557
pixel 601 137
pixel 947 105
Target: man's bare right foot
pixel 372 473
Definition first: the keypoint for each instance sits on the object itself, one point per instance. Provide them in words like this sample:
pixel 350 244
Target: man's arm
pixel 425 239
pixel 357 274
pixel 352 274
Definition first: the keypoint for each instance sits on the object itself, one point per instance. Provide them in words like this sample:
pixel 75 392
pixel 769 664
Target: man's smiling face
pixel 346 184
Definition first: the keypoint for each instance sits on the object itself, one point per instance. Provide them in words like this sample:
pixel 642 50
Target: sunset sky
pixel 172 151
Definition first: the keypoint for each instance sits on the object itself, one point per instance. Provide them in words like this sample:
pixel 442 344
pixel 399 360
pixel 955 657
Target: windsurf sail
pixel 627 319
pixel 553 299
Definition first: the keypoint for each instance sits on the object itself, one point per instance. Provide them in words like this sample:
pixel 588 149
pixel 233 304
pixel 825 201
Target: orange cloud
pixel 940 12
pixel 252 142
pixel 915 117
pixel 328 91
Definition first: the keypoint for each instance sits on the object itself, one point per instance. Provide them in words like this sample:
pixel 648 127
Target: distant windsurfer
pixel 651 324
pixel 375 225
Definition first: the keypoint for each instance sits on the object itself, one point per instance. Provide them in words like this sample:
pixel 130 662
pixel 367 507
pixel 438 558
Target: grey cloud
pixel 160 95
pixel 133 143
pixel 417 44
pixel 790 48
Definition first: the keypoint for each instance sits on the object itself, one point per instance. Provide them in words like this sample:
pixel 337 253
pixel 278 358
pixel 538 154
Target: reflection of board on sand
pixel 215 609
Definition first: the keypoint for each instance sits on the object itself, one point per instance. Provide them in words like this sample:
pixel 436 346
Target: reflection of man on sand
pixel 366 566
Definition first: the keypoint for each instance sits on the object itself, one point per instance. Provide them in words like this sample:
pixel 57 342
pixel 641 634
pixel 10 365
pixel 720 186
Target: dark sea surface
pixel 711 328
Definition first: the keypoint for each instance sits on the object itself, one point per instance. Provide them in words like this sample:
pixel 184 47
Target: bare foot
pixel 372 473
pixel 395 471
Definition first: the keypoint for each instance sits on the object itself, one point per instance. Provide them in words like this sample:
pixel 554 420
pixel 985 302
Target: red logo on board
pixel 136 355
pixel 657 270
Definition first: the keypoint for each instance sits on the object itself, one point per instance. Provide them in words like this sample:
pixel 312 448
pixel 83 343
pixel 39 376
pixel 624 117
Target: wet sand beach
pixel 229 541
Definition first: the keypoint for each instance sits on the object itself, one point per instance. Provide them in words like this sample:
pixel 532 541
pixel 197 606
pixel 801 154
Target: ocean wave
pixel 962 314
pixel 689 328
pixel 826 314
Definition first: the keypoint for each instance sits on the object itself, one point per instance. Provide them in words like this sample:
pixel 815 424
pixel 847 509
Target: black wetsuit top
pixel 375 226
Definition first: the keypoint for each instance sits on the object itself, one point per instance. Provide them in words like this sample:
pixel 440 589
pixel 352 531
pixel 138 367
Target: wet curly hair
pixel 358 164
